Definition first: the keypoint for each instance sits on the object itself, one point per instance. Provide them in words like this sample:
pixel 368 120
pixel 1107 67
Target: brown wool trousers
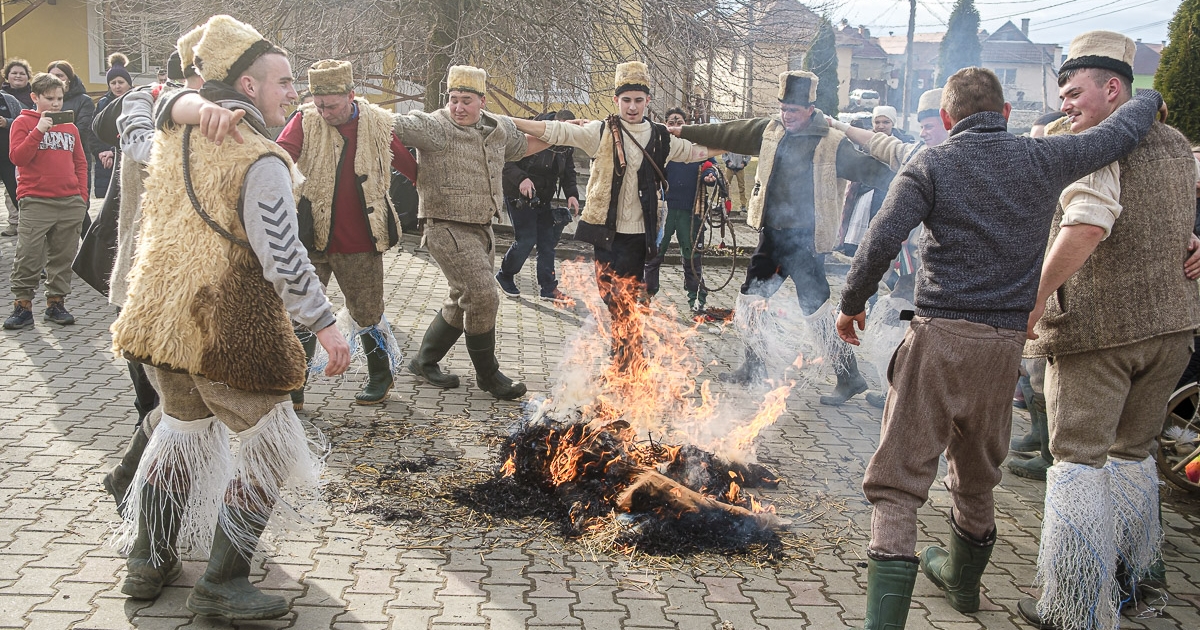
pixel 466 254
pixel 1112 402
pixel 188 397
pixel 360 277
pixel 950 389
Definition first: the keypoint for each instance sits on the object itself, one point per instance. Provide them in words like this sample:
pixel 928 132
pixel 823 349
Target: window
pixel 1007 76
pixel 145 39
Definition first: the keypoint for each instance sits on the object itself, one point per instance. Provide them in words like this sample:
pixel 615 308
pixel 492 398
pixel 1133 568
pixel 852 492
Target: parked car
pixel 864 99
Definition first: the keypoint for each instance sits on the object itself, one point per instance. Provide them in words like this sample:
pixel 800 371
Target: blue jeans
pixel 532 227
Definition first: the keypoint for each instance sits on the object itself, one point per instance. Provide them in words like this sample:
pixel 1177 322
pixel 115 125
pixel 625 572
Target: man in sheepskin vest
pixel 345 148
pixel 796 206
pixel 461 150
pixel 625 207
pixel 1115 317
pixel 218 277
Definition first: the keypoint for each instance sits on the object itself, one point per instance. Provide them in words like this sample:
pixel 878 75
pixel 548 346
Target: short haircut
pixel 1099 75
pixel 12 63
pixel 44 82
pixel 258 70
pixel 970 91
pixel 65 66
pixel 675 110
pixel 564 114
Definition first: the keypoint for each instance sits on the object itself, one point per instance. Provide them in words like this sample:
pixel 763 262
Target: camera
pixel 59 118
pixel 562 217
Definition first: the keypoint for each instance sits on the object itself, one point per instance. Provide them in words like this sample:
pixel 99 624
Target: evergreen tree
pixel 1178 76
pixel 821 60
pixel 960 47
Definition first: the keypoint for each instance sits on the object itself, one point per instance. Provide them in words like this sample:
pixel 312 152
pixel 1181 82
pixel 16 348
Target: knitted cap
pixel 886 111
pixel 228 48
pixel 330 76
pixel 1101 49
pixel 187 48
pixel 117 63
pixel 798 88
pixel 631 76
pixel 467 79
pixel 930 104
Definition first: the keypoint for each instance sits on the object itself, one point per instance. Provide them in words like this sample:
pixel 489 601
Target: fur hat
pixel 117 63
pixel 330 76
pixel 467 79
pixel 886 111
pixel 1101 49
pixel 187 49
pixel 930 104
pixel 228 47
pixel 631 75
pixel 797 88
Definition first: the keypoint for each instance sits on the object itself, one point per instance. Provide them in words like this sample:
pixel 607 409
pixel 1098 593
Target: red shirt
pixel 52 164
pixel 349 234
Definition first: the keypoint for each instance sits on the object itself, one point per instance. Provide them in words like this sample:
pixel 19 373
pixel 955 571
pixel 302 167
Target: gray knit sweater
pixel 986 198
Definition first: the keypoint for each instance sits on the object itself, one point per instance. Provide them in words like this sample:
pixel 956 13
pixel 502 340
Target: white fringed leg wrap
pixel 277 470
pixel 1134 486
pixel 189 462
pixel 823 337
pixel 384 338
pixel 1077 558
pixel 885 332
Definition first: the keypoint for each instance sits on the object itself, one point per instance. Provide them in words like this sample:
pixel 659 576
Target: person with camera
pixel 53 196
pixel 529 187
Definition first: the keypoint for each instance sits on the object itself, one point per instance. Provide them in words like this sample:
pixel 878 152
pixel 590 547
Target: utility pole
pixel 908 62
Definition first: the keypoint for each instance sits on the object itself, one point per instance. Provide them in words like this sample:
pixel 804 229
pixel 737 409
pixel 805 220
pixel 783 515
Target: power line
pixel 1057 22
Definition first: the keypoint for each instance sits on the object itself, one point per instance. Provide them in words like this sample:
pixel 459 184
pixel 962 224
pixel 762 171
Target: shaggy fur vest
pixel 1132 287
pixel 827 188
pixel 320 161
pixel 608 176
pixel 198 302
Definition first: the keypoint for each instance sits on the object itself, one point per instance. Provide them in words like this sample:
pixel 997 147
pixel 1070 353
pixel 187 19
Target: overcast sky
pixel 1051 21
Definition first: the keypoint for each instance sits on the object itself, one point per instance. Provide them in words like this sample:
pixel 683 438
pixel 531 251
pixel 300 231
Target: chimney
pixel 864 31
pixel 1025 27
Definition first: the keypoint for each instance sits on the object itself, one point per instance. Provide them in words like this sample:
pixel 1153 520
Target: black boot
pixel 1036 467
pixel 146 577
pixel 850 382
pixel 958 571
pixel 752 371
pixel 309 341
pixel 225 589
pixel 889 592
pixel 1028 608
pixel 379 371
pixel 439 338
pixel 117 481
pixel 482 348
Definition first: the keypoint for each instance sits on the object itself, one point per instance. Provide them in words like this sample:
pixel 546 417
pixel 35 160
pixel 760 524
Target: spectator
pixel 77 101
pixel 53 193
pixel 16 81
pixel 735 172
pixel 529 186
pixel 10 108
pixel 883 120
pixel 119 82
pixel 16 86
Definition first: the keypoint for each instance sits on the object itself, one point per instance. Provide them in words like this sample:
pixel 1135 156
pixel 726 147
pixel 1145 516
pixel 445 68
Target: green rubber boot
pixel 379 371
pixel 117 481
pixel 225 589
pixel 309 341
pixel 1036 467
pixel 439 338
pixel 482 349
pixel 889 592
pixel 957 572
pixel 146 575
pixel 850 382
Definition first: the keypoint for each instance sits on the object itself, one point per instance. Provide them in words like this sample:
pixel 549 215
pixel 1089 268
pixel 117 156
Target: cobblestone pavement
pixel 66 413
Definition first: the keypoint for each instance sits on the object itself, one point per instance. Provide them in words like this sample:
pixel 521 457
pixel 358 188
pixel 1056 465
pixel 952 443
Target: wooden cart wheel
pixel 1179 442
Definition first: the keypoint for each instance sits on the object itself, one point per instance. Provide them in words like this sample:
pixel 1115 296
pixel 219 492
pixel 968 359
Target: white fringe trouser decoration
pixel 384 338
pixel 1077 558
pixel 1134 486
pixel 189 463
pixel 278 469
pixel 823 337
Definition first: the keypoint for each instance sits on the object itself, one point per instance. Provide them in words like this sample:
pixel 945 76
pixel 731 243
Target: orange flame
pixel 734 490
pixel 509 468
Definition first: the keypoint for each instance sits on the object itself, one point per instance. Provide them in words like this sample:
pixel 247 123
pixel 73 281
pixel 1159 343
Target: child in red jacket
pixel 52 193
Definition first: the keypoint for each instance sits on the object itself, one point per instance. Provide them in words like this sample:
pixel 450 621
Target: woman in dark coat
pixel 16 81
pixel 10 106
pixel 119 82
pixel 76 100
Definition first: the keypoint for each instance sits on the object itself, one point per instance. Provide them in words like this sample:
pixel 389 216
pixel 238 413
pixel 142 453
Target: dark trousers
pixel 145 398
pixel 532 227
pixel 783 254
pixel 102 176
pixel 620 276
pixel 680 223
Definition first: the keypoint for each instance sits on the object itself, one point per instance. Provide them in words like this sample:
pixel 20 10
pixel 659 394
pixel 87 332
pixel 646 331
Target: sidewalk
pixel 395 549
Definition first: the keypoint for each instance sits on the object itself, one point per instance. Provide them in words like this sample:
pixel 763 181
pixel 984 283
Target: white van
pixel 864 99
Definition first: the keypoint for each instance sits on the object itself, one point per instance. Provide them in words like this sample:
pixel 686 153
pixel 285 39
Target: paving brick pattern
pixel 66 412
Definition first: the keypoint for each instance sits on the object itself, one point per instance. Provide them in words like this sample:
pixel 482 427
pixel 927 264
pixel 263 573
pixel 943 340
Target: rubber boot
pixel 1031 442
pixel 1035 468
pixel 1028 608
pixel 482 349
pixel 752 371
pixel 225 589
pixel 145 578
pixel 958 571
pixel 889 592
pixel 850 382
pixel 117 481
pixel 439 338
pixel 309 341
pixel 379 371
